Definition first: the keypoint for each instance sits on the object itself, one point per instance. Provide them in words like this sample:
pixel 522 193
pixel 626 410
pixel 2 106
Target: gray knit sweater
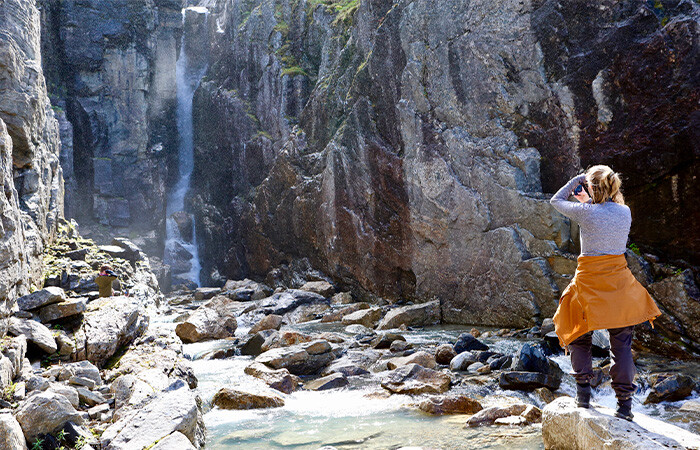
pixel 604 226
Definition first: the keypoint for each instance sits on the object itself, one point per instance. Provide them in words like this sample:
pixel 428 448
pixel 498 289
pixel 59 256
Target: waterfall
pixel 181 251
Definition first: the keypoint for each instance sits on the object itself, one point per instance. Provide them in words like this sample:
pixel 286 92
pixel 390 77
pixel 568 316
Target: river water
pixel 363 416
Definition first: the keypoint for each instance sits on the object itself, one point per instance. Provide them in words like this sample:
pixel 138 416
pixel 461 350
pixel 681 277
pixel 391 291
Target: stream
pixel 363 416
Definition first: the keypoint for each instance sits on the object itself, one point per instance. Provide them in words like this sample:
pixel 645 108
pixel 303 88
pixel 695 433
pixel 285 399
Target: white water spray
pixel 180 252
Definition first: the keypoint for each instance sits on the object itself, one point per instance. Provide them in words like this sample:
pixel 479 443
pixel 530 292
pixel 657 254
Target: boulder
pixel 295 359
pixel 566 427
pixel 366 317
pixel 68 392
pixel 691 406
pixel 175 409
pixel 11 436
pixel 81 369
pixel 444 354
pixel 132 252
pixel 530 359
pixel 228 398
pixel 213 320
pixel 90 398
pixel 56 311
pixel 108 325
pixel 174 441
pixel 332 381
pixel 489 415
pixel 415 379
pixel 258 291
pixel 206 293
pixel 323 288
pixel 453 404
pixel 306 313
pixel 270 322
pixel 462 361
pixel 528 381
pixel 466 342
pixel 384 340
pixel 15 351
pixel 421 358
pixel 284 302
pixel 346 368
pixel 252 345
pixel 41 298
pixel 420 315
pixel 44 413
pixel 669 387
pixel 36 333
pixel 279 379
pixel 342 298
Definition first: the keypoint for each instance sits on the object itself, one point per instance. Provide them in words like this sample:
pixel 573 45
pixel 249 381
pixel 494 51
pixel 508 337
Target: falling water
pixel 181 251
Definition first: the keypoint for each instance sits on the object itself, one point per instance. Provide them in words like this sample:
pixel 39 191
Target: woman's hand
pixel 582 196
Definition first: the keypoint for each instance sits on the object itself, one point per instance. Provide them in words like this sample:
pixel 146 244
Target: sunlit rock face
pixel 112 63
pixel 407 153
pixel 30 175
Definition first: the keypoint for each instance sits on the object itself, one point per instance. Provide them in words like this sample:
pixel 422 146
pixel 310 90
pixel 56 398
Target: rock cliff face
pixel 112 64
pixel 407 153
pixel 30 174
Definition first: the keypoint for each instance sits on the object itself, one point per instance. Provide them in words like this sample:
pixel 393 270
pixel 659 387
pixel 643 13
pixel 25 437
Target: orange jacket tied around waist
pixel 602 295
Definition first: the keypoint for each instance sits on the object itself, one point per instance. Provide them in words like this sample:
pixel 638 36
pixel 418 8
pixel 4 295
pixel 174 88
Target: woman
pixel 603 293
pixel 104 281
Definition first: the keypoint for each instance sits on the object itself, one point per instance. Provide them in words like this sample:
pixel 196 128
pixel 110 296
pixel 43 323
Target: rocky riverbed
pixel 246 366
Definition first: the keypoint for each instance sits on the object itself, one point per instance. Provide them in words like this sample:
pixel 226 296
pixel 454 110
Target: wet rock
pixel 478 367
pixel 384 340
pixel 358 329
pixel 108 325
pixel 489 415
pixel 206 293
pixel 259 291
pixel 545 394
pixel 420 315
pixel 399 346
pixel 279 379
pixel 528 381
pixel 444 354
pixel 564 426
pixel 453 404
pixel 414 379
pixel 366 317
pixel 284 302
pixel 323 288
pixel 174 441
pixel 295 359
pixel 213 320
pixel 501 362
pixel 669 387
pixel 229 398
pixel 466 342
pixel 62 310
pixel 11 436
pixel 530 359
pixel 252 345
pixel 36 333
pixel 45 413
pixel 183 222
pixel 271 322
pixel 421 358
pixel 346 368
pixel 511 421
pixel 41 298
pixel 462 361
pixel 175 409
pixel 332 381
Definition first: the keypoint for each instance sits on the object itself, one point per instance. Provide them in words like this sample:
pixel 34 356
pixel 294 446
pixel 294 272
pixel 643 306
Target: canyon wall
pixel 408 148
pixel 30 174
pixel 111 66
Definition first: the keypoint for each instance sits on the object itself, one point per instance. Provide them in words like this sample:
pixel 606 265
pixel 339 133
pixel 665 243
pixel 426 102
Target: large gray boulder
pixel 216 319
pixel 41 298
pixel 11 436
pixel 109 324
pixel 302 359
pixel 35 332
pixel 566 427
pixel 45 412
pixel 174 441
pixel 414 379
pixel 62 310
pixel 176 409
pixel 419 315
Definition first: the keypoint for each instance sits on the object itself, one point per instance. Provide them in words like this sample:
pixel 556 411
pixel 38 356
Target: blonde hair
pixel 606 184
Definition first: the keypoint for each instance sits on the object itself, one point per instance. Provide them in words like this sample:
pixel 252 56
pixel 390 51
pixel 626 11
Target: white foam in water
pixel 188 78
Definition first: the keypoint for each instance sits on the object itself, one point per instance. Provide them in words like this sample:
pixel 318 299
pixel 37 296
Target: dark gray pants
pixel 622 370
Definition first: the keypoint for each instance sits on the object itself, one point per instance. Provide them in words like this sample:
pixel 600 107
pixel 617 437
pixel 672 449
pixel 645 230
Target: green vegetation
pixel 9 392
pixel 264 134
pixel 38 444
pixel 293 71
pixel 635 248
